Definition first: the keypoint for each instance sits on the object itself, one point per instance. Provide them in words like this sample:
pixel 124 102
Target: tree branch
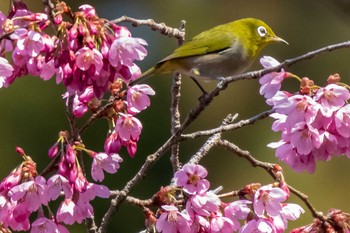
pixel 161 27
pixel 211 142
pixel 269 167
pixel 229 127
pixel 174 109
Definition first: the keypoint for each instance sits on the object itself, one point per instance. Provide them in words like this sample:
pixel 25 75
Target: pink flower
pixel 191 178
pixel 82 101
pixel 33 44
pixel 305 138
pixel 129 73
pixel 137 97
pixel 268 199
pixel 271 82
pixel 289 212
pixel 44 225
pixel 281 97
pixel 261 225
pixel 331 97
pixel 18 219
pixel 5 206
pixel 79 108
pixel 20 58
pixel 87 96
pixel 87 58
pixel 80 182
pixel 113 143
pixel 102 161
pixel 131 147
pixel 128 127
pixel 58 183
pixel 286 153
pixel 31 193
pixel 203 204
pixel 124 50
pixel 94 190
pixel 88 10
pixel 69 213
pixel 172 221
pixel 6 71
pixel 298 108
pixel 237 210
pixel 11 180
pixel 342 121
pixel 218 223
pixel 47 70
pixel 292 211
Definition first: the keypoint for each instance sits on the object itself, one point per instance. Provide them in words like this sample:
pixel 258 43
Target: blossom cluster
pixel 91 57
pixel 259 209
pixel 87 55
pixel 314 122
pixel 88 51
pixel 24 192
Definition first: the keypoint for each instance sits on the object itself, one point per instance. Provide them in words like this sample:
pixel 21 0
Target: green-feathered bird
pixel 221 51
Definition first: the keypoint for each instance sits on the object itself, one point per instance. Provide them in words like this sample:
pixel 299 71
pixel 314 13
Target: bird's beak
pixel 278 39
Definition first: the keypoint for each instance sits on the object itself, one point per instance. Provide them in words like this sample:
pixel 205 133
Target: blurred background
pixel 33 112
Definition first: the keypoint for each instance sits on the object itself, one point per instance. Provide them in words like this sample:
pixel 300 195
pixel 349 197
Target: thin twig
pixel 287 63
pixel 174 109
pixel 305 199
pixel 269 168
pixel 134 200
pixel 97 115
pixel 91 225
pixel 229 127
pixel 161 27
pixel 210 143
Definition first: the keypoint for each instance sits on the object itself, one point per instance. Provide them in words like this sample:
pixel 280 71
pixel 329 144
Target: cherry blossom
pixel 172 221
pixel 87 58
pixel 261 225
pixel 268 199
pixel 137 97
pixel 128 127
pixel 237 210
pixel 58 183
pixel 6 71
pixel 31 193
pixel 102 161
pixel 271 83
pixel 124 50
pixel 191 178
pixel 69 213
pixel 218 223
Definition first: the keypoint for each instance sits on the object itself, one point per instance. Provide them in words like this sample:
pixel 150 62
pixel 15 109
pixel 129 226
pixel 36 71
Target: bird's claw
pixel 222 82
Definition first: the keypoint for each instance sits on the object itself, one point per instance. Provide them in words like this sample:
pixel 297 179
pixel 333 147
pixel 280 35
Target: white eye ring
pixel 262 31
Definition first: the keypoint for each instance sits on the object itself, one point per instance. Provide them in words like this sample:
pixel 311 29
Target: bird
pixel 222 51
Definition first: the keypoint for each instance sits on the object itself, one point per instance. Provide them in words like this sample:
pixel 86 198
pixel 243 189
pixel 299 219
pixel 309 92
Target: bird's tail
pixel 144 76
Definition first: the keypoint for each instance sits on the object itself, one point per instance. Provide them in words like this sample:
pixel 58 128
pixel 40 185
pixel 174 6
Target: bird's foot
pixel 222 83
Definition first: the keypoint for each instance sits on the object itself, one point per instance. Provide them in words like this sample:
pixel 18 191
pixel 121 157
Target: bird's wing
pixel 213 40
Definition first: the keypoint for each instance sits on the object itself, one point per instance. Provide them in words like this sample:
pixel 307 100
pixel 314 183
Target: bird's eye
pixel 262 31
